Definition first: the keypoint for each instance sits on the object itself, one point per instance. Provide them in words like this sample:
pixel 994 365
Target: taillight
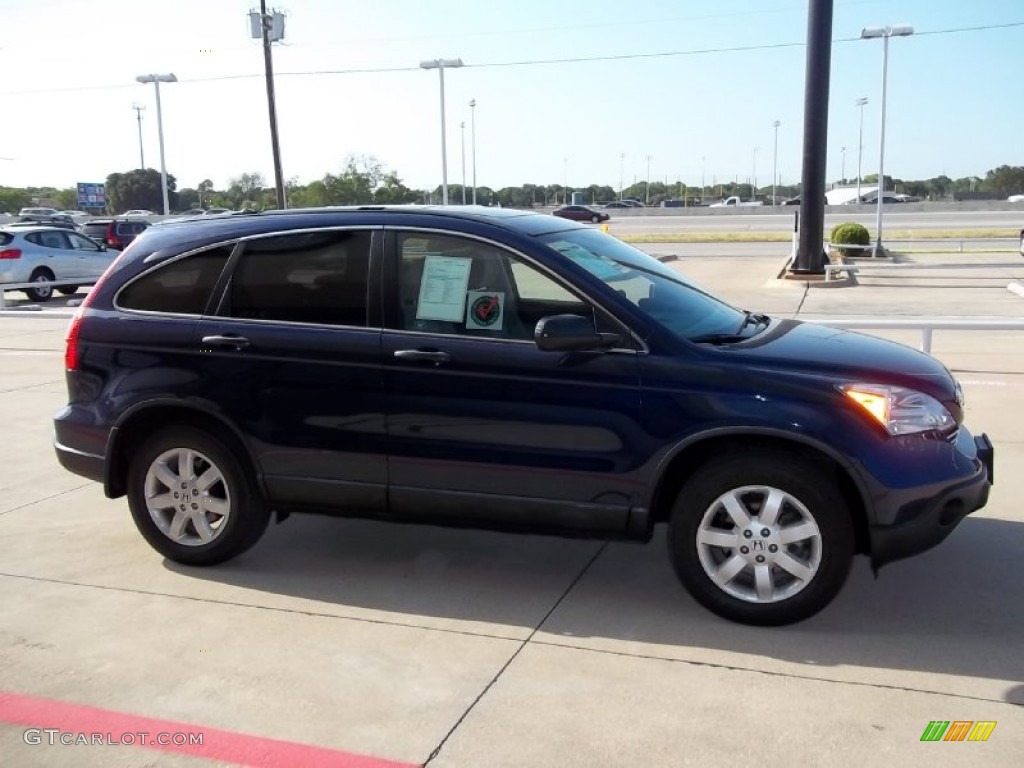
pixel 71 355
pixel 10 253
pixel 112 235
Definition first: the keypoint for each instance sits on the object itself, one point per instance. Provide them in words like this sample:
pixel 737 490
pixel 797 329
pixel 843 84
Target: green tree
pixel 66 199
pixel 188 198
pixel 391 191
pixel 1005 180
pixel 246 188
pixel 140 188
pixel 13 199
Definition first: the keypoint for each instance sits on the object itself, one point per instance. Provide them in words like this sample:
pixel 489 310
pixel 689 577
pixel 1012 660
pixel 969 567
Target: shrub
pixel 850 233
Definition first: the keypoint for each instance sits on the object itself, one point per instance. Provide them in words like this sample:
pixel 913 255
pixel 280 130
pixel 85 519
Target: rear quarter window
pixel 180 287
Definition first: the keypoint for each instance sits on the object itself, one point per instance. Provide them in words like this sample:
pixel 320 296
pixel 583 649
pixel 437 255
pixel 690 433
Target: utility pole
pixel 809 257
pixel 842 178
pixel 139 109
pixel 266 22
pixel 860 141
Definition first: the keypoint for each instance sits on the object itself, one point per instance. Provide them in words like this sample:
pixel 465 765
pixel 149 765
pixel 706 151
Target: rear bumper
pixel 87 465
pixel 938 515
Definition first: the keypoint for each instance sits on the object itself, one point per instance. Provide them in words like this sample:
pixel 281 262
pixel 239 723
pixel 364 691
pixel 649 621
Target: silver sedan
pixel 42 254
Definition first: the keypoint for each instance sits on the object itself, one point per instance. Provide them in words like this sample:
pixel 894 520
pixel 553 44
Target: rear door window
pixel 311 277
pixel 48 239
pixel 181 287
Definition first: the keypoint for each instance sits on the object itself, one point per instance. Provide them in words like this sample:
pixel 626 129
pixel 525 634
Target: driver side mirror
pixel 571 333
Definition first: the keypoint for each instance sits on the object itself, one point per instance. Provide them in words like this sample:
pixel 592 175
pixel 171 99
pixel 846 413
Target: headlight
pixel 901 411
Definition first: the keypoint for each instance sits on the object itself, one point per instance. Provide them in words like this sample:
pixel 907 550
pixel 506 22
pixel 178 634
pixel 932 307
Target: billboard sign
pixel 91 196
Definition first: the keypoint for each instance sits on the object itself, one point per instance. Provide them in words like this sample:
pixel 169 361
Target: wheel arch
pixel 690 455
pixel 144 419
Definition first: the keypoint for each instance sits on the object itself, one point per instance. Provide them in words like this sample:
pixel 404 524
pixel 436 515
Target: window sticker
pixel 485 310
pixel 443 288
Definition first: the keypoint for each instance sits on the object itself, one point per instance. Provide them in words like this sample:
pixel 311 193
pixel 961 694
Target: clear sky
pixel 68 67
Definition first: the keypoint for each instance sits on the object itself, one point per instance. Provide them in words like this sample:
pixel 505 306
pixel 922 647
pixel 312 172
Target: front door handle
pixel 229 341
pixel 423 355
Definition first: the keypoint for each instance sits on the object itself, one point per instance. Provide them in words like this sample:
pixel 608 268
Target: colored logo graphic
pixel 486 310
pixel 958 730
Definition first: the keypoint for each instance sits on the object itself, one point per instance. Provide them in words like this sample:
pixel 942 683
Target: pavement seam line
pixel 522 645
pixel 771 673
pixel 30 386
pixel 46 498
pixel 253 606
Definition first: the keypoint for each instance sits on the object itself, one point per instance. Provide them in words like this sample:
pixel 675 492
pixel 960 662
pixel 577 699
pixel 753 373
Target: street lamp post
pixel 702 158
pixel 870 33
pixel 842 173
pixel 440 65
pixel 861 102
pixel 156 80
pixel 472 136
pixel 462 130
pixel 139 109
pixel 775 158
pixel 622 160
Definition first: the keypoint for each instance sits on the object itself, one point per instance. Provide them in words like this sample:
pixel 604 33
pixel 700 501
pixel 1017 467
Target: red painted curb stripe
pixel 225 746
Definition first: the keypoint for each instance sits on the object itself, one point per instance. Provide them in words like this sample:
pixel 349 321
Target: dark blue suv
pixel 500 369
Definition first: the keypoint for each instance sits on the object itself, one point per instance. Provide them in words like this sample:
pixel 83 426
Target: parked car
pixel 736 202
pixel 796 201
pixel 138 212
pixel 886 199
pixel 634 202
pixel 38 215
pixel 58 220
pixel 581 213
pixel 672 203
pixel 618 204
pixel 117 233
pixel 503 369
pixel 1015 199
pixel 42 254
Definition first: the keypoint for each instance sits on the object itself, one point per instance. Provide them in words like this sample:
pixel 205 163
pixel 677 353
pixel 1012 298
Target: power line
pixel 524 63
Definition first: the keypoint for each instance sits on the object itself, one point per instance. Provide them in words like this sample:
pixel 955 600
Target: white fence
pixel 926 325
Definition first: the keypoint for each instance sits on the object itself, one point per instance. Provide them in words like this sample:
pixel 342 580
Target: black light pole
pixel 268 64
pixel 810 254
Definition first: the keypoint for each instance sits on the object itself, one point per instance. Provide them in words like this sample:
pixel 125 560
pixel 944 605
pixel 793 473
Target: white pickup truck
pixel 735 202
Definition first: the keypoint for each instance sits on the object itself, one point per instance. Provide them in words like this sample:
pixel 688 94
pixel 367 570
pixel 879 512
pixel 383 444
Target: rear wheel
pixel 192 499
pixel 43 292
pixel 761 539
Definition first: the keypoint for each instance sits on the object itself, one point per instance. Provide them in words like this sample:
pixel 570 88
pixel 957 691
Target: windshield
pixel 656 290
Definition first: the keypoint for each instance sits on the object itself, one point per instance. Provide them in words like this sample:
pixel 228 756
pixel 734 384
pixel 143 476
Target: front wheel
pixel 192 499
pixel 761 539
pixel 595 219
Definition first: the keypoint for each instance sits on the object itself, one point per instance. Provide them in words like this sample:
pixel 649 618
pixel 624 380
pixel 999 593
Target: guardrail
pixel 927 325
pixel 52 283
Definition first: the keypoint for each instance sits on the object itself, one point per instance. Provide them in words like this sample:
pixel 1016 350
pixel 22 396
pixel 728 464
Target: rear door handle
pixel 423 355
pixel 228 341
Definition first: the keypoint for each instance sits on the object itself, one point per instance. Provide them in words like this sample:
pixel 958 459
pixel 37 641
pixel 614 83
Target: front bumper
pixel 935 518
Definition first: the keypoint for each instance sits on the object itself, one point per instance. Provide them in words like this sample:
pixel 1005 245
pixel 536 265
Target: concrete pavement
pixel 462 648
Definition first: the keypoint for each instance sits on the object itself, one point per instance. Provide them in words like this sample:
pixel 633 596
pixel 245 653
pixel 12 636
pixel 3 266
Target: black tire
pixel 67 290
pixel 43 293
pixel 595 219
pixel 798 480
pixel 248 513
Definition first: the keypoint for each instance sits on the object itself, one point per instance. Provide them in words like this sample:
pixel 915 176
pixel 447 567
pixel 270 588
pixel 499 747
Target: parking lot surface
pixel 355 643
